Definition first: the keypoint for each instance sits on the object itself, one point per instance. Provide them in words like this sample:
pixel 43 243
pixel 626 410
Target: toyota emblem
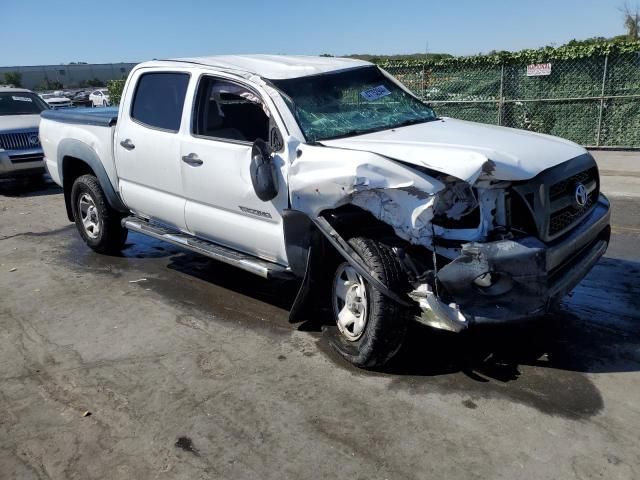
pixel 34 140
pixel 581 195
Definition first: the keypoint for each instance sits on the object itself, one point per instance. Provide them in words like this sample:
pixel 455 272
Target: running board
pixel 212 250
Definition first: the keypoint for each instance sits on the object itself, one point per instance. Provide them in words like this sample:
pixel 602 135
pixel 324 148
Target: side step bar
pixel 212 250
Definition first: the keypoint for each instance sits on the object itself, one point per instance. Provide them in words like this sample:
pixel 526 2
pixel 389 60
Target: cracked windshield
pixel 350 103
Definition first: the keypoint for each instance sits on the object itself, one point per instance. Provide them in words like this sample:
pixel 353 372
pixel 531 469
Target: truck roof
pixel 274 67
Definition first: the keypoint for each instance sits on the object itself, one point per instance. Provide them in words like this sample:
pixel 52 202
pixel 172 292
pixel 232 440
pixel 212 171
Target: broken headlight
pixel 457 206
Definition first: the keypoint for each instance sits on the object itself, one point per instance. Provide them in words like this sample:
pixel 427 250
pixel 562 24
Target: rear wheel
pixel 370 326
pixel 98 223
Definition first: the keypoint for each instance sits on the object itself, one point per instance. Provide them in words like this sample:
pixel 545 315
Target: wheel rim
pixel 350 302
pixel 89 215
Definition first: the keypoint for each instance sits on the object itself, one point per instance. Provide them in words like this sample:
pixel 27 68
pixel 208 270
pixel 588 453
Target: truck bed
pixel 84 133
pixel 103 117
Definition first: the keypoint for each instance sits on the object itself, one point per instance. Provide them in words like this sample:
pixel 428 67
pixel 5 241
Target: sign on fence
pixel 538 69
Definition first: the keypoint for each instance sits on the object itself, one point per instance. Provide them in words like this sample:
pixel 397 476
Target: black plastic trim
pixel 103 117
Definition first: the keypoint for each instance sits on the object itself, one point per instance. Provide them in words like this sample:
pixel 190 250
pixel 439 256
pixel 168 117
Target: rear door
pixel 221 205
pixel 147 146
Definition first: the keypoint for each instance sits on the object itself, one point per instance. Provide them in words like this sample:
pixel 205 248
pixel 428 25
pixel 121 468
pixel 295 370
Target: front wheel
pixel 98 223
pixel 370 326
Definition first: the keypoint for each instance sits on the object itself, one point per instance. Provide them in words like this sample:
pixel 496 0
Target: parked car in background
pixel 20 149
pixel 81 99
pixel 330 171
pixel 100 98
pixel 56 101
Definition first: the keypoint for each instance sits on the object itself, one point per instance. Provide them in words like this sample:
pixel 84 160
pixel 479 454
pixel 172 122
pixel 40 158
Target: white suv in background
pixel 20 150
pixel 100 98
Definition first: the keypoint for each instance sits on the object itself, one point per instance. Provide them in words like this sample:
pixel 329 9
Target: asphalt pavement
pixel 163 364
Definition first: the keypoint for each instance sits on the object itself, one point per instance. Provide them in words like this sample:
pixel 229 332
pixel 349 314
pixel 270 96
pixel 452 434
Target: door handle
pixel 192 159
pixel 128 144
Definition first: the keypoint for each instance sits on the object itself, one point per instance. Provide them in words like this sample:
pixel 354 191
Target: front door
pixel 221 204
pixel 147 148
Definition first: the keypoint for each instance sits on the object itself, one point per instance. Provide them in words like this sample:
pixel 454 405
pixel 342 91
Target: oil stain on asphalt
pixel 186 444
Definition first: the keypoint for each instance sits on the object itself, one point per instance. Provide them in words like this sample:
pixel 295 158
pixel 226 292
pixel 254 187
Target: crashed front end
pixel 554 230
pixel 486 251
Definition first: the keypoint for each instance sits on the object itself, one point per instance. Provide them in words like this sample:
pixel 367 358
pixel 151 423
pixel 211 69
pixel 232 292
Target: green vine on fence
pixel 115 88
pixel 545 54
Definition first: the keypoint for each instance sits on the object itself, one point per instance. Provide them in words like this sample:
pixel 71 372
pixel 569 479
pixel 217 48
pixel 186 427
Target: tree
pixel 96 82
pixel 47 84
pixel 631 21
pixel 115 88
pixel 13 78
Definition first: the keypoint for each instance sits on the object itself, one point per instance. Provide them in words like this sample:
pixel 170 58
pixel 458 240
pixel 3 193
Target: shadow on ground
pixel 28 187
pixel 544 363
pixel 577 337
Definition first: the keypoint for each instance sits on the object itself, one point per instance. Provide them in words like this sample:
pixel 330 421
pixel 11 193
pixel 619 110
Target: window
pixel 21 103
pixel 228 110
pixel 159 99
pixel 351 102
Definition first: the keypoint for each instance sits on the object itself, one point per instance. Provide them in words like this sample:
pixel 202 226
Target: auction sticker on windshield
pixel 375 93
pixel 21 99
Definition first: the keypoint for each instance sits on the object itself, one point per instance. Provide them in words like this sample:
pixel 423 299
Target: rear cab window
pixel 158 100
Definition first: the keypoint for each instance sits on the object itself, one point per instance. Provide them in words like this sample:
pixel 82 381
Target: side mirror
pixel 263 172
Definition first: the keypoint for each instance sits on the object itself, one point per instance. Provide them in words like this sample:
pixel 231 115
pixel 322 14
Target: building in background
pixel 46 77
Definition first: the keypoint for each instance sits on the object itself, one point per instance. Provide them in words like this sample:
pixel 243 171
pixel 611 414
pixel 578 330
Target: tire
pixel 385 321
pixel 104 103
pixel 98 223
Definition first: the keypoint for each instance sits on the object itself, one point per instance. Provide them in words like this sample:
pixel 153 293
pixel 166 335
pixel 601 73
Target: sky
pixel 38 32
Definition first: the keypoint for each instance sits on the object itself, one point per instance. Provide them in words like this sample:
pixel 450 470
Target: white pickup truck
pixel 331 172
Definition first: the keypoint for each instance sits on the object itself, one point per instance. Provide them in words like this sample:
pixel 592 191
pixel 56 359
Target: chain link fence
pixel 593 101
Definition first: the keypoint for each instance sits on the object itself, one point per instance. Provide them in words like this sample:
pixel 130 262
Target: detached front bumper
pixel 527 275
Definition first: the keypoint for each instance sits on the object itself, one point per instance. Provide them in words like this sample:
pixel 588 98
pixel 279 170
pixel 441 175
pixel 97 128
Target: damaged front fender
pixel 324 178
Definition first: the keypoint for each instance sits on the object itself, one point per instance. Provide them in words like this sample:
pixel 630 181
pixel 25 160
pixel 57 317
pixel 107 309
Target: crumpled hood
pixel 466 149
pixel 17 122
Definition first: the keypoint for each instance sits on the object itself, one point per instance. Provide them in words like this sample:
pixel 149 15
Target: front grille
pixel 563 193
pixel 560 220
pixel 565 187
pixel 549 200
pixel 19 141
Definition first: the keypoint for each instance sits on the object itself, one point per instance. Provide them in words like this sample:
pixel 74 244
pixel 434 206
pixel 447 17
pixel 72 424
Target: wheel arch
pixel 301 233
pixel 307 242
pixel 75 159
